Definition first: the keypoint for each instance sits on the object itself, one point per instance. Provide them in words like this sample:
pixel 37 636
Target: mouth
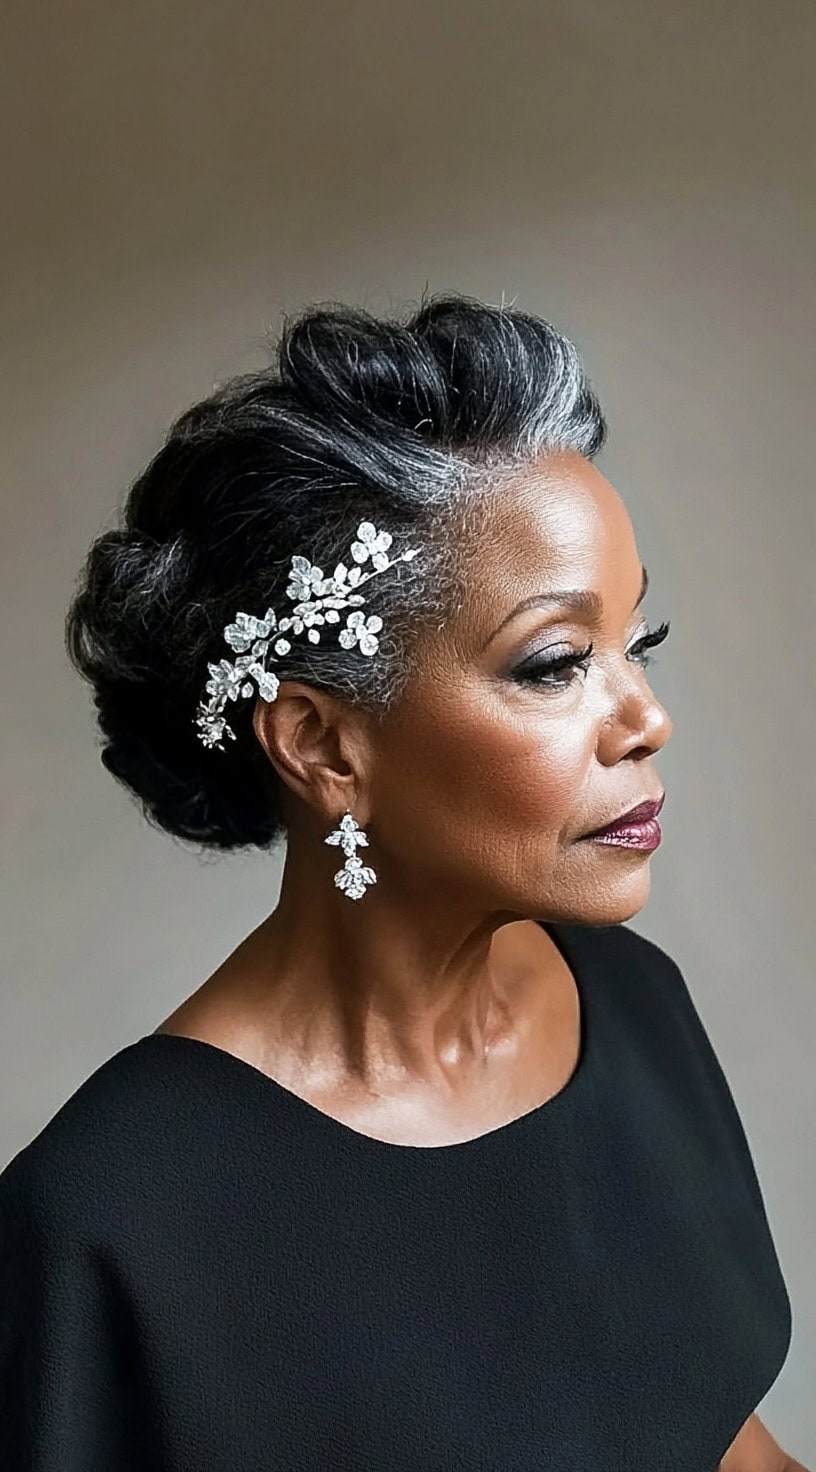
pixel 636 817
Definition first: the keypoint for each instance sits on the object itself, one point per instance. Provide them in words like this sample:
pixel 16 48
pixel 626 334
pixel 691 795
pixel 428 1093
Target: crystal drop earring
pixel 354 875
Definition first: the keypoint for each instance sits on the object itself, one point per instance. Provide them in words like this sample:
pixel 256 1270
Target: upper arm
pixel 754 1450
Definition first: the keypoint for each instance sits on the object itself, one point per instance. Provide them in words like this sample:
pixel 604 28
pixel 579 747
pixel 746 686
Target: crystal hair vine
pixel 318 600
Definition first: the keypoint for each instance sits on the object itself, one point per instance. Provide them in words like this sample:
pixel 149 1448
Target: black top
pixel 202 1272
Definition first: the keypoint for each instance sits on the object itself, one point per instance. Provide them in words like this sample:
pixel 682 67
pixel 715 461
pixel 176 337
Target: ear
pixel 319 745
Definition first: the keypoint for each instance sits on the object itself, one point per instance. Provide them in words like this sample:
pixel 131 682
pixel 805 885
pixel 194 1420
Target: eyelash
pixel 532 674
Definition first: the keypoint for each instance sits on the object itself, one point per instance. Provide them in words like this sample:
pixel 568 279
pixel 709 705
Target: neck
pixel 392 985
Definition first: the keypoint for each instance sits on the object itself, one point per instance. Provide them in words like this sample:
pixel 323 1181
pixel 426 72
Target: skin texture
pixel 754 1450
pixel 434 1008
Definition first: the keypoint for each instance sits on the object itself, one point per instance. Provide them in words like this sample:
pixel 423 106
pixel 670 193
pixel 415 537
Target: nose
pixel 657 723
pixel 639 721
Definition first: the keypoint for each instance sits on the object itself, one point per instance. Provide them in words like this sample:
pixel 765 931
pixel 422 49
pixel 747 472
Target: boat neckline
pixel 555 1105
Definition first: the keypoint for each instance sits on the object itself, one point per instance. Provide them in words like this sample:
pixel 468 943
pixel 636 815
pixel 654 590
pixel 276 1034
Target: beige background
pixel 176 177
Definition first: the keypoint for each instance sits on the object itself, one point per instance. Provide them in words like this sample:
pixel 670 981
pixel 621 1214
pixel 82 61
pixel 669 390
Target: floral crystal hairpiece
pixel 318 601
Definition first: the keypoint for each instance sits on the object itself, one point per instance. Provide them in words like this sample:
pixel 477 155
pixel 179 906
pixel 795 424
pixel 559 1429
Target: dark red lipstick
pixel 636 828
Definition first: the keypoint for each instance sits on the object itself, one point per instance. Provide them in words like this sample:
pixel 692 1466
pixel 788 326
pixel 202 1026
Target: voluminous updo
pixel 403 423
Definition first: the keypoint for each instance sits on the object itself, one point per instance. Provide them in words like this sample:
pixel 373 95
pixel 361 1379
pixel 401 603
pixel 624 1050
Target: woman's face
pixel 491 768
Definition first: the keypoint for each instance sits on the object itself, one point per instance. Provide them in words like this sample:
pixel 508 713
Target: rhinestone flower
pixel 361 630
pixel 371 544
pixel 354 876
pixel 318 601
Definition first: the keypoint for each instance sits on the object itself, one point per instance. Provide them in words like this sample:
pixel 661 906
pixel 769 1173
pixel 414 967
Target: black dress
pixel 202 1272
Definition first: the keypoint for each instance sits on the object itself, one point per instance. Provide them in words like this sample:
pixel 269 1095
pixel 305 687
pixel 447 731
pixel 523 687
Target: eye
pixel 650 640
pixel 545 671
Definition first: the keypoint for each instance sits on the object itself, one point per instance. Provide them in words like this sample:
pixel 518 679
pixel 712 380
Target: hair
pixel 404 423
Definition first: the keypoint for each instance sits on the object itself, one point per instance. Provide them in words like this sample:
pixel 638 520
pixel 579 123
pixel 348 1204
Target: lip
pixel 633 817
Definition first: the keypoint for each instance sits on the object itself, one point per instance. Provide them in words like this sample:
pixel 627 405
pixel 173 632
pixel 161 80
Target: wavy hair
pixel 405 423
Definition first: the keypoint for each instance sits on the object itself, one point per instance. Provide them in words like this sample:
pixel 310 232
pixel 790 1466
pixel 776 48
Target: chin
pixel 612 906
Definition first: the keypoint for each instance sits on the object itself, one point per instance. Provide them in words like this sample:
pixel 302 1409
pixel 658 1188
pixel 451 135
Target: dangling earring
pixel 354 875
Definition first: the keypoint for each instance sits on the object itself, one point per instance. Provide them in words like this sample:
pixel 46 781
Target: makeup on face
pixel 550 670
pixel 637 828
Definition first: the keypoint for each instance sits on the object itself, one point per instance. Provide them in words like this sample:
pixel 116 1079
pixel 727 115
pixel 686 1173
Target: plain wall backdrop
pixel 177 177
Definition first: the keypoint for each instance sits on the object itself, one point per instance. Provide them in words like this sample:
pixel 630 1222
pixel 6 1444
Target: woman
pixel 438 1168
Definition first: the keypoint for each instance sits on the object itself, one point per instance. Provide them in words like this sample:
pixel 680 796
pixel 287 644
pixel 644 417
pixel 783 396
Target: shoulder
pixel 118 1138
pixel 630 959
pixel 647 993
pixel 662 981
pixel 659 1012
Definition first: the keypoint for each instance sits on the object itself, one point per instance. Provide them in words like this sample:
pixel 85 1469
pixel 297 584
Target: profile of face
pixel 492 768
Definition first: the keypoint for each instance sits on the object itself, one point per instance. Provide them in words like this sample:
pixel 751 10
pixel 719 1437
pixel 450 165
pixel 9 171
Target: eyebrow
pixel 580 600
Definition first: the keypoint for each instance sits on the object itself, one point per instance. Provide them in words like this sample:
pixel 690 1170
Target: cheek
pixel 481 776
pixel 533 773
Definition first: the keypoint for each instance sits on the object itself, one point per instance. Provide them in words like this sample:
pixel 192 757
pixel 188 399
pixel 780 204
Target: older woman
pixel 438 1169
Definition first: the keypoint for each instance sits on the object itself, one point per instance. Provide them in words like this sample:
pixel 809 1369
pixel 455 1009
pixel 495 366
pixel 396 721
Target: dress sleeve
pixel 68 1392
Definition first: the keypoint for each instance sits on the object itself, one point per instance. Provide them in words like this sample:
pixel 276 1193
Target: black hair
pixel 403 423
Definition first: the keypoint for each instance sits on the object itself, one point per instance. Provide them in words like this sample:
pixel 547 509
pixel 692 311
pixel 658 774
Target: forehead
pixel 557 522
pixel 554 523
